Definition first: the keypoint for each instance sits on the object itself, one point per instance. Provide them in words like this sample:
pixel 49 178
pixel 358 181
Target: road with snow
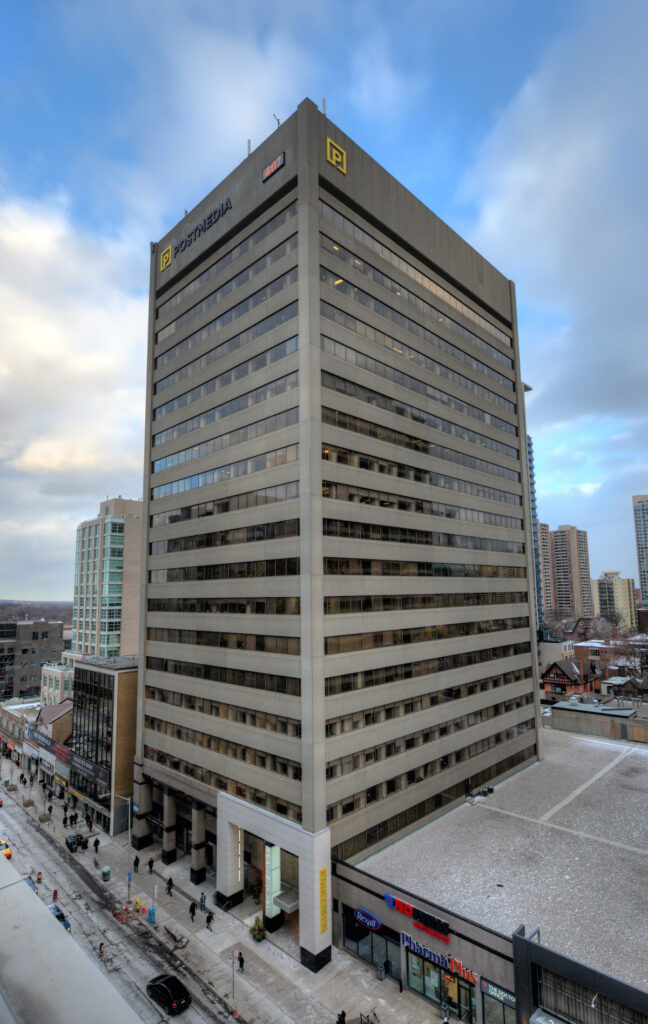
pixel 134 953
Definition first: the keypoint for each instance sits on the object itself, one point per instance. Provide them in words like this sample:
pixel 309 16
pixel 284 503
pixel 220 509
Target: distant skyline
pixel 521 125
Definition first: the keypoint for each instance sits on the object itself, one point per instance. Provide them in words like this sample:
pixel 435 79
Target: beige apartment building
pixel 614 598
pixel 336 639
pixel 107 575
pixel 565 572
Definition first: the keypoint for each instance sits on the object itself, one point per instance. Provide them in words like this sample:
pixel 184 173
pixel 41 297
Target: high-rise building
pixel 535 529
pixel 107 580
pixel 640 513
pixel 546 572
pixel 614 598
pixel 337 636
pixel 571 572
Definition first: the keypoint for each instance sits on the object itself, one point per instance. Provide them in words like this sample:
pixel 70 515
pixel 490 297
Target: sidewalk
pixel 275 987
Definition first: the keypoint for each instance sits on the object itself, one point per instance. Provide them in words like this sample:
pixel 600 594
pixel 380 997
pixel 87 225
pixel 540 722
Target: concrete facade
pixel 107 574
pixel 24 648
pixel 338 619
pixel 613 598
pixel 571 572
pixel 640 515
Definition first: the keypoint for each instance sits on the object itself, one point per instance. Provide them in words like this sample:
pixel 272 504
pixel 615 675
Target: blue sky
pixel 520 124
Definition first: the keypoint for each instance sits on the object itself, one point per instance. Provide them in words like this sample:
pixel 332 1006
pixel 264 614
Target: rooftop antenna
pixel 249 146
pixel 277 120
pixel 324 106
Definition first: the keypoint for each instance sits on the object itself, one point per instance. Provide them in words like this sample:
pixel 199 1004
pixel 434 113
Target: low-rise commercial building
pixel 24 649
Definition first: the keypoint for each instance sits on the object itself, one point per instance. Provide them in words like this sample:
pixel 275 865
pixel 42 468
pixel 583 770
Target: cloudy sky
pixel 522 125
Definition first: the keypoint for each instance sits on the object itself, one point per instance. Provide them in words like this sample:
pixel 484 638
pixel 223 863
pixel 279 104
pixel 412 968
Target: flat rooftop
pixel 562 844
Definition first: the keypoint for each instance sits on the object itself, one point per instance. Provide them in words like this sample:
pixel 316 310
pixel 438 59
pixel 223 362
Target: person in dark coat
pixel 150 865
pixel 241 962
pixel 209 919
pixel 136 865
pixel 192 911
pixel 96 844
pixel 169 886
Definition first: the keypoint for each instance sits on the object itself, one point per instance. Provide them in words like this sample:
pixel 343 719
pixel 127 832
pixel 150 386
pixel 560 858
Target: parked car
pixel 169 993
pixel 73 841
pixel 31 883
pixel 59 915
pixel 5 848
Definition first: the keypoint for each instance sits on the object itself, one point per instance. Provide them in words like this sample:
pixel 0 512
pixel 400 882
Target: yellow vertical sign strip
pixel 323 901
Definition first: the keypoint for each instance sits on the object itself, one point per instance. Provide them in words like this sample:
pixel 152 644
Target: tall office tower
pixel 535 530
pixel 614 598
pixel 107 580
pixel 546 572
pixel 571 572
pixel 337 636
pixel 640 513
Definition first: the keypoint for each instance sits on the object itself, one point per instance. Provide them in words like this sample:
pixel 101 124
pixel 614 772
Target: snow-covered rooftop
pixel 562 844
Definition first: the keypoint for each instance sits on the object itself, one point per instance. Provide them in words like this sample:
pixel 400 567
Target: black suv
pixel 75 840
pixel 169 992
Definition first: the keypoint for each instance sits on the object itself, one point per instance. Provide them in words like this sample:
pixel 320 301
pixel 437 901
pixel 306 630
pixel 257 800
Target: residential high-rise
pixel 535 528
pixel 571 572
pixel 337 641
pixel 614 598
pixel 546 572
pixel 640 513
pixel 107 579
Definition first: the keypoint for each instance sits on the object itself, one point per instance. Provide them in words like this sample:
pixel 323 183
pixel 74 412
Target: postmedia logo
pixel 336 155
pixel 166 258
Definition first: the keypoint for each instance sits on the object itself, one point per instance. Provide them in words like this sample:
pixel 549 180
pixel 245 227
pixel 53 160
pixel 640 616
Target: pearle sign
pixel 367 919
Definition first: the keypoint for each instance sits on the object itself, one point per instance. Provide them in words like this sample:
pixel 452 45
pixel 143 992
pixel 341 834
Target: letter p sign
pixel 165 258
pixel 336 155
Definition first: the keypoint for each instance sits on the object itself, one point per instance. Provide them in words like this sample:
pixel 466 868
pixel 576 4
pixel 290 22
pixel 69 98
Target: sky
pixel 521 124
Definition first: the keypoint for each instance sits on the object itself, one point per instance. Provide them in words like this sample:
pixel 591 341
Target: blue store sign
pixel 368 920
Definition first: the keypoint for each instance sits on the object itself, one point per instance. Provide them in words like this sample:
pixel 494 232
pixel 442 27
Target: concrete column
pixel 169 852
pixel 315 926
pixel 229 863
pixel 141 835
pixel 198 871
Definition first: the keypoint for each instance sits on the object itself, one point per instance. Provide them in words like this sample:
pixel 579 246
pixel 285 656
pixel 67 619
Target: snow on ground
pixel 579 870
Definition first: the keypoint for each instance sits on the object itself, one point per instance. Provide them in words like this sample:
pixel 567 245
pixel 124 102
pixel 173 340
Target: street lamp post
pixel 128 799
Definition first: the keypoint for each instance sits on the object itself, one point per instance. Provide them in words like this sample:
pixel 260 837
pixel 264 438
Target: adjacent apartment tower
pixel 640 512
pixel 107 579
pixel 337 635
pixel 614 598
pixel 565 572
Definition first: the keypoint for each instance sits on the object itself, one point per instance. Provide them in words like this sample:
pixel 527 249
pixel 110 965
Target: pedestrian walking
pixel 150 865
pixel 64 820
pixel 136 865
pixel 96 844
pixel 241 962
pixel 49 809
pixel 91 825
pixel 203 902
pixel 192 911
pixel 209 919
pixel 341 1018
pixel 169 886
pixel 101 950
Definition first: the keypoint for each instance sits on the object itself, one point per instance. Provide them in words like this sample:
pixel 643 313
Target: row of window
pixel 383 751
pixel 404 380
pixel 385 499
pixel 411 670
pixel 391 405
pixel 223 538
pixel 384 567
pixel 226 606
pixel 351 291
pixel 236 502
pixel 237 751
pixel 233 641
pixel 289 685
pixel 345 421
pixel 410 705
pixel 234 283
pixel 351 323
pixel 230 471
pixel 412 272
pixel 246 245
pixel 406 535
pixel 233 437
pixel 231 712
pixel 391 826
pixel 223 380
pixel 226 571
pixel 261 394
pixel 371 365
pixel 417 635
pixel 355 604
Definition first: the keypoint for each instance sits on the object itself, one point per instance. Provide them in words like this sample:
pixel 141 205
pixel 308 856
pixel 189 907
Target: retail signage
pixel 89 770
pixel 495 992
pixel 367 919
pixel 272 879
pixel 47 761
pixel 28 749
pixel 420 918
pixel 278 162
pixel 448 963
pixel 46 743
pixel 323 901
